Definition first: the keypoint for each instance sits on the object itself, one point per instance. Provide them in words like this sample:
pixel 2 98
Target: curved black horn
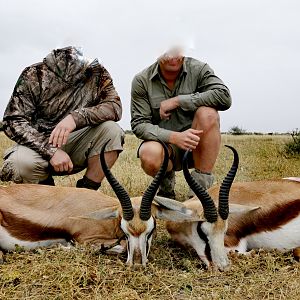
pixel 209 208
pixel 226 185
pixel 145 210
pixel 118 189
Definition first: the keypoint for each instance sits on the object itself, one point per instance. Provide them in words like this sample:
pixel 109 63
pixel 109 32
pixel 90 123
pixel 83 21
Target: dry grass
pixel 172 273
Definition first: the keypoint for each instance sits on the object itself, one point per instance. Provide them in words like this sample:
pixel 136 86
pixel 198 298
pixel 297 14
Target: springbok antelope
pixel 34 215
pixel 260 214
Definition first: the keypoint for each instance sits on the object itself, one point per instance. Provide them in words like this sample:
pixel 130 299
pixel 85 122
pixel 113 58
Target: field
pixel 172 272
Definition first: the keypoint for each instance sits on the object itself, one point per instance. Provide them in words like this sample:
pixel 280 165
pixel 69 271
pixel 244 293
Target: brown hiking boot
pixel 166 188
pixel 204 179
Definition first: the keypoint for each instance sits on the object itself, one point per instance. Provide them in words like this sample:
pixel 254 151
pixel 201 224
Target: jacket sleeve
pixel 18 119
pixel 141 115
pixel 211 91
pixel 109 105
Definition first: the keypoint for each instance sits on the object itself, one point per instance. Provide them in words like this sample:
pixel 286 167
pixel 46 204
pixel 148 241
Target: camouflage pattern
pixel 63 83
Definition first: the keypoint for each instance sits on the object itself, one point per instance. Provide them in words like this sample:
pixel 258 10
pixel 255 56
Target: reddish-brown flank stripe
pixel 257 221
pixel 25 230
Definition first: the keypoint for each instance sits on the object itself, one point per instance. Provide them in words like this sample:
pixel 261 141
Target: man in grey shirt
pixel 176 100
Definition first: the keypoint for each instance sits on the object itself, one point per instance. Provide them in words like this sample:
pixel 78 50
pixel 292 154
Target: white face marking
pixel 215 235
pixel 138 247
pixel 7 242
pixel 197 243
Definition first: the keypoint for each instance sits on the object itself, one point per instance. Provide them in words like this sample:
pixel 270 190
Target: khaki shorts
pixel 24 165
pixel 176 156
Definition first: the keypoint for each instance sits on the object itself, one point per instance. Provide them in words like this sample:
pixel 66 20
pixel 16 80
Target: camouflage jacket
pixel 64 83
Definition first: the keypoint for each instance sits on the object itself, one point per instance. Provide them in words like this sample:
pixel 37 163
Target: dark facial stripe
pixel 25 230
pixel 256 221
pixel 204 238
pixel 149 235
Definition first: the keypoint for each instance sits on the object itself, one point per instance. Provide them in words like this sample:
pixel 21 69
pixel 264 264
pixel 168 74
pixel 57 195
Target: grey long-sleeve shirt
pixel 196 86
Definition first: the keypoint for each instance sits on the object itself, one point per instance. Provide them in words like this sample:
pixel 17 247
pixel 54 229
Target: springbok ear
pixel 176 216
pixel 172 210
pixel 103 214
pixel 240 208
pixel 170 204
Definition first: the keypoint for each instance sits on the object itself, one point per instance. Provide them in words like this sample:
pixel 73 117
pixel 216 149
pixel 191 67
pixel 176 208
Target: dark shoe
pixel 166 188
pixel 87 183
pixel 48 181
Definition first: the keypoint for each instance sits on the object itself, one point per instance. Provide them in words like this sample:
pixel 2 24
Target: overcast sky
pixel 253 46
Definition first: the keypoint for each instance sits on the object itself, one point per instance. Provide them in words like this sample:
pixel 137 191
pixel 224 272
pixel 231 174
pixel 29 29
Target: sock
pixel 87 183
pixel 48 181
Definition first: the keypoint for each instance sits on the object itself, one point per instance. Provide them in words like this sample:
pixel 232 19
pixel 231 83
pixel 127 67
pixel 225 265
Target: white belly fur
pixel 286 237
pixel 7 242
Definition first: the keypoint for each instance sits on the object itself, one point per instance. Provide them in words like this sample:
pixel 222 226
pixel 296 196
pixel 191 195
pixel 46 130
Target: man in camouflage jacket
pixel 60 114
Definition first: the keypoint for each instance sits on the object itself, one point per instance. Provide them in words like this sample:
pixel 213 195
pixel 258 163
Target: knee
pixel 151 155
pixel 110 130
pixel 24 165
pixel 207 118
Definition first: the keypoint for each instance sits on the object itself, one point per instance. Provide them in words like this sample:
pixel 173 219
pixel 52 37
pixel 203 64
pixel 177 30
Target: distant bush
pixel 292 148
pixel 236 130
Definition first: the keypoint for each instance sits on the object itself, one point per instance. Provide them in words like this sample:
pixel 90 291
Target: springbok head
pixel 212 225
pixel 138 215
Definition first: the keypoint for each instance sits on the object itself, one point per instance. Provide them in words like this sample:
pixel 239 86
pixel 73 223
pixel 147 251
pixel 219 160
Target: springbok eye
pixel 204 238
pixel 148 235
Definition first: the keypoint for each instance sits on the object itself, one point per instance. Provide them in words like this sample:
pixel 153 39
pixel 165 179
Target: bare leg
pixel 206 153
pixel 94 171
pixel 151 155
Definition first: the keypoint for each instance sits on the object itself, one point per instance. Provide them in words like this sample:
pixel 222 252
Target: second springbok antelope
pixel 34 215
pixel 259 214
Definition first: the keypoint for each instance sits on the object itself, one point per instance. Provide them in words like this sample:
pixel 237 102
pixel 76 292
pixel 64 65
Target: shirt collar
pixel 155 71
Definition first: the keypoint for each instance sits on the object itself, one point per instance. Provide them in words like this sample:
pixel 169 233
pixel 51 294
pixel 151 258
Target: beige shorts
pixel 24 165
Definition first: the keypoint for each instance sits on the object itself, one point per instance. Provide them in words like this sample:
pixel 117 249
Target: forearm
pixel 219 99
pixel 91 116
pixel 109 108
pixel 150 132
pixel 210 91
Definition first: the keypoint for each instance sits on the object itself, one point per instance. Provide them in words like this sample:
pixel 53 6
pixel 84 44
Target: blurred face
pixel 171 61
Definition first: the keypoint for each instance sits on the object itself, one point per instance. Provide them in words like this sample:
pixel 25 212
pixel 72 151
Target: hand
pixel 186 140
pixel 61 132
pixel 167 106
pixel 61 162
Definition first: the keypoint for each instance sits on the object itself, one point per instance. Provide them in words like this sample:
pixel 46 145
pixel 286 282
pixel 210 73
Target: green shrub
pixel 292 148
pixel 236 130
